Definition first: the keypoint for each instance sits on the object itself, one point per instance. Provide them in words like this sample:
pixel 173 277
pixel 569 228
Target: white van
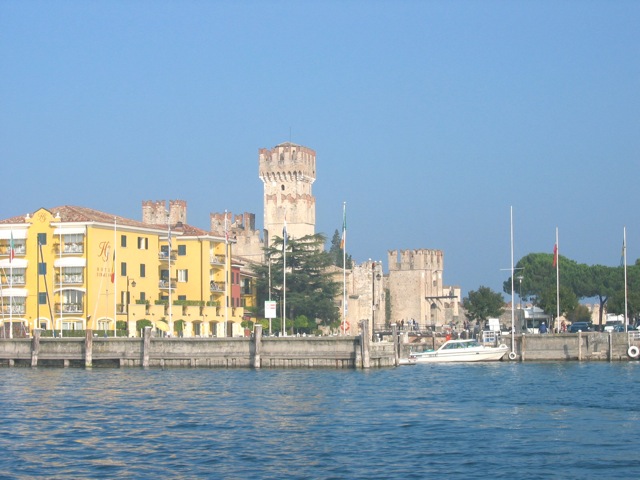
pixel 493 325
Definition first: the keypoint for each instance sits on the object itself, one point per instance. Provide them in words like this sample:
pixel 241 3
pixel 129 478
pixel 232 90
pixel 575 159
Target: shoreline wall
pixel 283 352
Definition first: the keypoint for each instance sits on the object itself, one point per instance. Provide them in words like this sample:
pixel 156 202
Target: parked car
pixel 580 327
pixel 620 328
pixel 611 325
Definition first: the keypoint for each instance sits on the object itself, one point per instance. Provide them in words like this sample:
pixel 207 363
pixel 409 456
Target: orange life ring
pixel 344 326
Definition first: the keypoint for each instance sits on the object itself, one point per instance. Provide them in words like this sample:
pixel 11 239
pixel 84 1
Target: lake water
pixel 493 420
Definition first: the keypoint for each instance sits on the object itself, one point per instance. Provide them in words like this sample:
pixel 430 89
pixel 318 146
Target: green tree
pixel 539 281
pixel 579 314
pixel 336 252
pixel 616 302
pixel 548 301
pixel 483 304
pixel 310 287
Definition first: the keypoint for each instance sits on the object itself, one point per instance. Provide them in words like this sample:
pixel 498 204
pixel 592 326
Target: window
pixel 42 238
pixel 123 269
pixel 42 268
pixel 42 298
pixel 143 296
pixel 143 270
pixel 143 243
pixel 182 250
pixel 183 276
pixel 123 240
pixel 182 298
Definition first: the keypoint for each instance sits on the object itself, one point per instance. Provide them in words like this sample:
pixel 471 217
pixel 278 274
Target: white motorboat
pixel 460 351
pixel 407 361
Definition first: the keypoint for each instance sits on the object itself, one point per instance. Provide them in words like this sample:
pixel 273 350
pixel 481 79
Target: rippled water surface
pixel 494 420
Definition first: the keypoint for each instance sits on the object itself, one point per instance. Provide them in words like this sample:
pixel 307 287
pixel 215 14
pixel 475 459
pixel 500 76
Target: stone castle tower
pixel 415 287
pixel 155 212
pixel 287 172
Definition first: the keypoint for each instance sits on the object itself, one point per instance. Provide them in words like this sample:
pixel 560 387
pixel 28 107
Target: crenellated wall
pixel 154 212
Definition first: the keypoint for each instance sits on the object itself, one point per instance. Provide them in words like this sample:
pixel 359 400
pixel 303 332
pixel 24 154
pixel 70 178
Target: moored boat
pixel 407 361
pixel 460 351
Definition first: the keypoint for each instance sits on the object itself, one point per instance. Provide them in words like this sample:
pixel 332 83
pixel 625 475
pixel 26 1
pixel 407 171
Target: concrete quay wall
pixel 611 346
pixel 285 352
pixel 148 351
pixel 587 346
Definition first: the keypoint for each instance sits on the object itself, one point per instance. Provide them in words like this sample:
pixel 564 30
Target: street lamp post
pixel 374 277
pixel 520 290
pixel 133 284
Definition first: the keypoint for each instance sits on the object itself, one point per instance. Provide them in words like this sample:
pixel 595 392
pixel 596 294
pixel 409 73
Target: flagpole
pixel 170 247
pixel 344 268
pixel 513 340
pixel 11 246
pixel 624 256
pixel 557 282
pixel 226 274
pixel 115 280
pixel 61 248
pixel 284 277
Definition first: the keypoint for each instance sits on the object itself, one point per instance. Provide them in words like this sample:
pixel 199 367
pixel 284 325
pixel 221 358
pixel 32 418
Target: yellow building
pixel 74 268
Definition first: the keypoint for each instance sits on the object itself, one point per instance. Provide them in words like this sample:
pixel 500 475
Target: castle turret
pixel 288 172
pixel 155 212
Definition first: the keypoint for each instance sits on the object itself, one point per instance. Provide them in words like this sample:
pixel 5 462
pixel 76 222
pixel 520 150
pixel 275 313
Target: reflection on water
pixel 502 420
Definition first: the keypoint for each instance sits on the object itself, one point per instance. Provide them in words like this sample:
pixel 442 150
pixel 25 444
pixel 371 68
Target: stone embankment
pixel 288 352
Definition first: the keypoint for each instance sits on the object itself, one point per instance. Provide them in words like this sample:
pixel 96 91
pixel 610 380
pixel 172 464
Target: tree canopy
pixel 310 287
pixel 535 278
pixel 336 252
pixel 483 304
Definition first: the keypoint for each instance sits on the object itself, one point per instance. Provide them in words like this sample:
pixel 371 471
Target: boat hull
pixel 481 356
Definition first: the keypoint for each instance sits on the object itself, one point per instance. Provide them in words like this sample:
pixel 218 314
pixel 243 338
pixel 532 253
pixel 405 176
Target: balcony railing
pixel 19 249
pixel 69 248
pixel 165 256
pixel 17 280
pixel 70 308
pixel 76 278
pixel 165 284
pixel 217 260
pixel 13 309
pixel 214 287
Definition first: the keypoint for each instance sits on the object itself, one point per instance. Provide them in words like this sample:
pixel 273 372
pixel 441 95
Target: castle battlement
pixel 155 212
pixel 421 259
pixel 287 162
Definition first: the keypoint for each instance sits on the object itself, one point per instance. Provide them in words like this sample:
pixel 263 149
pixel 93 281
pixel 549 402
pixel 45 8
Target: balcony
pixel 166 256
pixel 19 249
pixel 214 287
pixel 217 260
pixel 16 280
pixel 13 309
pixel 69 248
pixel 166 284
pixel 70 308
pixel 73 248
pixel 72 279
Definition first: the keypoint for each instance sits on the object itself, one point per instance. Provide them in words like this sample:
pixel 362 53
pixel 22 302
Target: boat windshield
pixel 456 345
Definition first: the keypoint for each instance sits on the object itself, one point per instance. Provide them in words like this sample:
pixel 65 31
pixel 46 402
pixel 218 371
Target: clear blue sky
pixel 429 118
